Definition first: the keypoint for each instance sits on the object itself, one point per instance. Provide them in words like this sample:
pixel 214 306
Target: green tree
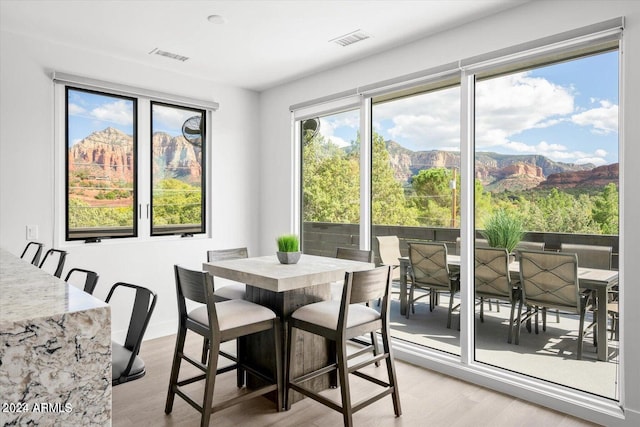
pixel 605 209
pixel 434 196
pixel 176 202
pixel 389 204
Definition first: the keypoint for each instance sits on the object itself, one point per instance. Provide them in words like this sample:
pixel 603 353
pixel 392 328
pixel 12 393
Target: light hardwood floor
pixel 427 398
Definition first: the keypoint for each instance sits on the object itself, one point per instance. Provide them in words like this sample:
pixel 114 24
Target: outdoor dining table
pixel 600 281
pixel 284 288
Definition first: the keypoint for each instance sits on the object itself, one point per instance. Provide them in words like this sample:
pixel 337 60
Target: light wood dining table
pixel 284 288
pixel 600 281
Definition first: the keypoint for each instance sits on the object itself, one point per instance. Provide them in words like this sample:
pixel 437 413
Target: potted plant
pixel 503 230
pixel 288 249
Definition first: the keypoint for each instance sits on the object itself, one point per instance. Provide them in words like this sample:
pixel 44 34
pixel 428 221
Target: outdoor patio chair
pixel 492 280
pixel 550 280
pixel 430 272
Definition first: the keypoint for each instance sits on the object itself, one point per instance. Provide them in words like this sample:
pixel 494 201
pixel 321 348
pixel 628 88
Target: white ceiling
pixel 260 45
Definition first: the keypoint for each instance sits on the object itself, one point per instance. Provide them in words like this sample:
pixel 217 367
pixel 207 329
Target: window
pixel 330 182
pixel 177 202
pixel 135 161
pixel 101 165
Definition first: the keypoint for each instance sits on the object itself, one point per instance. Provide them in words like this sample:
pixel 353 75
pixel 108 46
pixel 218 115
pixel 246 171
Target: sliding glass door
pixel 546 154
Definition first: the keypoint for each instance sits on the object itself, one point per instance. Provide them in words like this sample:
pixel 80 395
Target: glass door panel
pixel 546 167
pixel 330 183
pixel 414 183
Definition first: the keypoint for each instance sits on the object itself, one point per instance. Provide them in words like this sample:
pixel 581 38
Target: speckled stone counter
pixel 55 350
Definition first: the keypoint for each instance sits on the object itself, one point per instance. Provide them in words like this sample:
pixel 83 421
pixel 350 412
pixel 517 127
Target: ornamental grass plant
pixel 503 230
pixel 288 243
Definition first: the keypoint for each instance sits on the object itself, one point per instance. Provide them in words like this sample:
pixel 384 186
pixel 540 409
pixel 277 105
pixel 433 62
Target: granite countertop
pixel 27 292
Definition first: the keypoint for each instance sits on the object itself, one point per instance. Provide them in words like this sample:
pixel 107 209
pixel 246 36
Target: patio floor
pixel 549 355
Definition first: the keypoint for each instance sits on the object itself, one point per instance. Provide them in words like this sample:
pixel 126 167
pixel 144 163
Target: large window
pixel 135 167
pixel 527 135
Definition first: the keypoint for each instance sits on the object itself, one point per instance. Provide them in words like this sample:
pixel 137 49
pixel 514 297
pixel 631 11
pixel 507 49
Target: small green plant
pixel 503 230
pixel 288 243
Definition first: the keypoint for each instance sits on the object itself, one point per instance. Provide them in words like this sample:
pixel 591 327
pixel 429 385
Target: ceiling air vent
pixel 168 54
pixel 350 38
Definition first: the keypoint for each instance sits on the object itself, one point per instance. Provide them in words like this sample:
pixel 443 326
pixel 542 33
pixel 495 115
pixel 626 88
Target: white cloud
pixel 119 112
pixel 603 120
pixel 76 110
pixel 170 119
pixel 329 125
pixel 509 105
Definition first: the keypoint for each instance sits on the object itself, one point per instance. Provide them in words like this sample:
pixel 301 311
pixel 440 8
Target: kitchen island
pixel 55 350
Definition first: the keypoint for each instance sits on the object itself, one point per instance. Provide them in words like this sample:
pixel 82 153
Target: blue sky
pixel 89 112
pixel 567 112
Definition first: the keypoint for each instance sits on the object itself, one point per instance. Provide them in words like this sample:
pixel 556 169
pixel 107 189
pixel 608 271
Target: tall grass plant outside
pixel 503 230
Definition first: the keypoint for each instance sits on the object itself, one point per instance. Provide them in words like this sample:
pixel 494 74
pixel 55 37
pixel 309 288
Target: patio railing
pixel 321 238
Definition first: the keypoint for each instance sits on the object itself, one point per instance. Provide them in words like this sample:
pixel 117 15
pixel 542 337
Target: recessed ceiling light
pixel 215 19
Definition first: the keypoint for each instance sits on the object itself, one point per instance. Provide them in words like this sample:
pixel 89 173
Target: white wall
pixel 27 169
pixel 525 23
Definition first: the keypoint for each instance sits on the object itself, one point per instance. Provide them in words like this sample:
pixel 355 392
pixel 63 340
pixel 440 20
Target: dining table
pixel 284 288
pixel 597 280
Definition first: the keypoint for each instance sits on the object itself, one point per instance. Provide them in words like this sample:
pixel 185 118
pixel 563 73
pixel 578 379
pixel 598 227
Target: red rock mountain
pixel 597 177
pixel 108 155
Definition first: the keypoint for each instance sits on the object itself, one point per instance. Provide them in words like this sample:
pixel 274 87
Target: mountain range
pixel 108 155
pixel 499 172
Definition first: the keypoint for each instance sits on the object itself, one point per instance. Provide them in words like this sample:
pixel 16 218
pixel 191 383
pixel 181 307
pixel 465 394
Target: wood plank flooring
pixel 427 398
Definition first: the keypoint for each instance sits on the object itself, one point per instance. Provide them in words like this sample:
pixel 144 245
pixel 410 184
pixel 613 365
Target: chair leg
pixel 205 350
pixel 518 322
pixel 450 310
pixel 580 333
pixel 391 369
pixel 482 308
pixel 513 309
pixel 345 392
pixel 209 384
pixel 175 369
pixel 376 350
pixel 291 334
pixel 240 374
pixel 277 338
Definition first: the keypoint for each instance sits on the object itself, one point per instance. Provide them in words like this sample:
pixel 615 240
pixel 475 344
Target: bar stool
pixel 218 322
pixel 338 321
pixel 53 261
pixel 32 252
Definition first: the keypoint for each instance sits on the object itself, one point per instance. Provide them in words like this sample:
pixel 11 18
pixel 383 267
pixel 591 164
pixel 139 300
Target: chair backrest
pixel 354 254
pixel 491 273
pixel 223 254
pixel 364 286
pixel 527 246
pixel 550 279
pixel 591 256
pixel 84 279
pixel 197 286
pixel 32 252
pixel 482 243
pixel 53 261
pixel 429 263
pixel 389 250
pixel 143 306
